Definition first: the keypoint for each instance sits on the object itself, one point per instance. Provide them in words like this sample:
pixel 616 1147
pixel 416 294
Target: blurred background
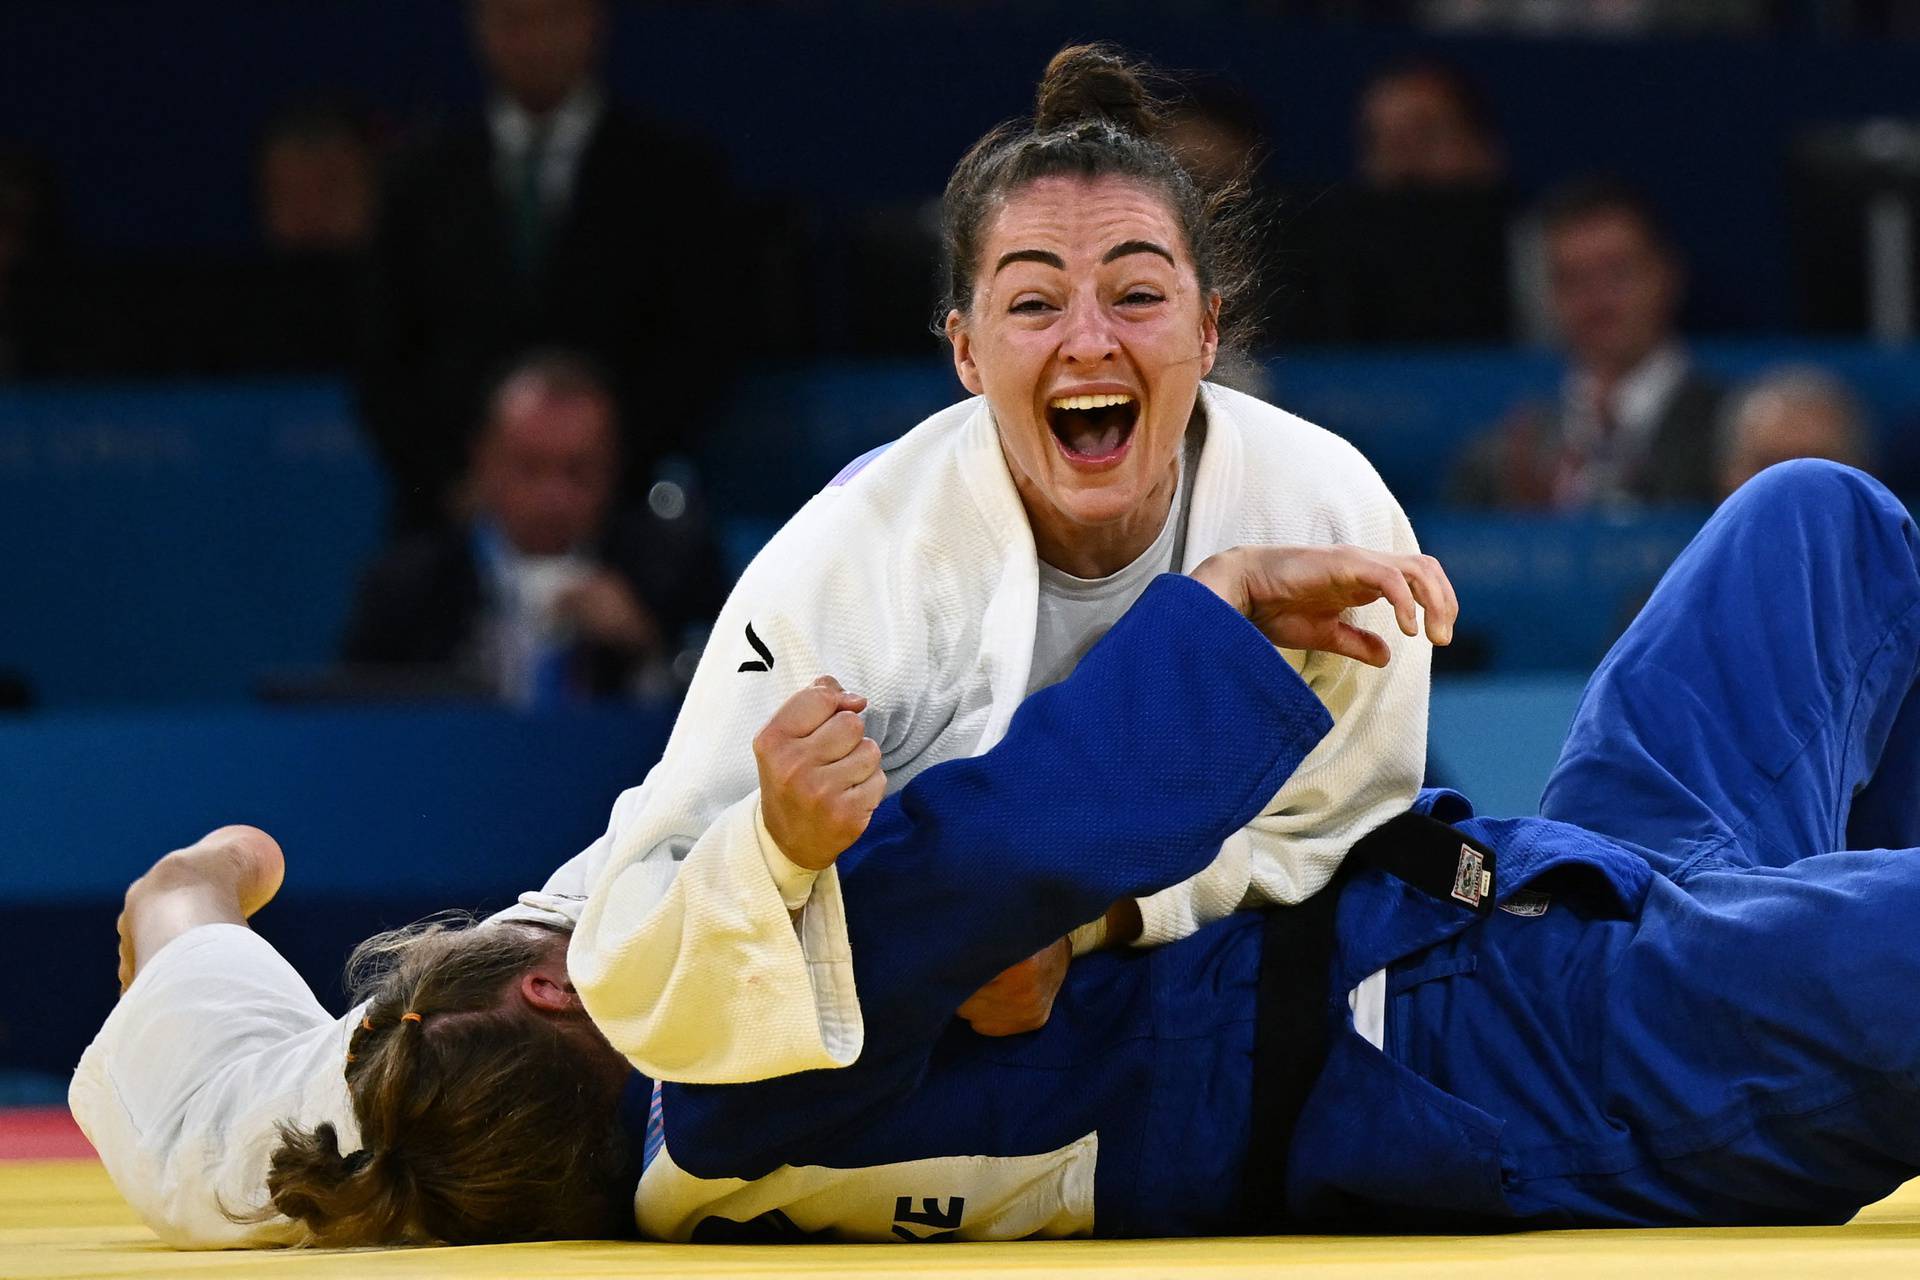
pixel 390 390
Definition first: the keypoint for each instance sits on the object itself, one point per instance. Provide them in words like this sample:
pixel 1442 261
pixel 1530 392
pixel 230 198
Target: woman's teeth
pixel 1089 402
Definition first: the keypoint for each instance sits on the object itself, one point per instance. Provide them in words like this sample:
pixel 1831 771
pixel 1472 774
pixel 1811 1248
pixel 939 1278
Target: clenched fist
pixel 820 777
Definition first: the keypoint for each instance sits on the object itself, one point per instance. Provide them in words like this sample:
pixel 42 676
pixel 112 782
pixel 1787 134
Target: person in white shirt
pixel 547 592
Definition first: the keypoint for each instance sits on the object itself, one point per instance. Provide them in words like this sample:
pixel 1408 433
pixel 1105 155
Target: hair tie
pixel 409 1016
pixel 353 1057
pixel 366 1023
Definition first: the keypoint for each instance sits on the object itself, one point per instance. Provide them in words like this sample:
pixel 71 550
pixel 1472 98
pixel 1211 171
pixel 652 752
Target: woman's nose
pixel 1089 338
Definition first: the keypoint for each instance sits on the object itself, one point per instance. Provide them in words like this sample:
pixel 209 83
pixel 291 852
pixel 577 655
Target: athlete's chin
pixel 1096 506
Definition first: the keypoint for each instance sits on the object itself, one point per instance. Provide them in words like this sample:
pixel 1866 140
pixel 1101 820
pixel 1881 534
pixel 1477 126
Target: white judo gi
pixel 915 583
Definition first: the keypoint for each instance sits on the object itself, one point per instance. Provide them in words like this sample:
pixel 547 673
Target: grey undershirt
pixel 1075 612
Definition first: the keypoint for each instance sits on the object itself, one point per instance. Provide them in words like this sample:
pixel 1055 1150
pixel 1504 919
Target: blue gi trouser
pixel 1744 1047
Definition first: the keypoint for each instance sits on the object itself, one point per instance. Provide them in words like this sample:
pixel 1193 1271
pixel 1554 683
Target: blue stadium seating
pixel 177 543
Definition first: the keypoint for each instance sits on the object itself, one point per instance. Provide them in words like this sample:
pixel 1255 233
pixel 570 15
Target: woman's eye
pixel 1140 297
pixel 1028 306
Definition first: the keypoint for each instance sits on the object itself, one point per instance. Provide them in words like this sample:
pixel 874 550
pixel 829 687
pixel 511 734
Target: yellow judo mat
pixel 61 1220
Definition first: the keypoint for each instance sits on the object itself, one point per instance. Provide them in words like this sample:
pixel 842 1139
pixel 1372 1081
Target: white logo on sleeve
pixel 1046 1196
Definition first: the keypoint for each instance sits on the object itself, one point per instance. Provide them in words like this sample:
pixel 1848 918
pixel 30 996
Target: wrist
pixel 1090 936
pixel 1220 573
pixel 793 880
pixel 1119 926
pixel 1123 923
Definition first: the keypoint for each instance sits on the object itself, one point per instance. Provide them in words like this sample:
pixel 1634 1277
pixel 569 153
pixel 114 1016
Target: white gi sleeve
pixel 702 976
pixel 1365 771
pixel 685 952
pixel 216 1042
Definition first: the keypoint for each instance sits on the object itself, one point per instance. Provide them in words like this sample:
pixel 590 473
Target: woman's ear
pixel 1210 334
pixel 963 353
pixel 547 989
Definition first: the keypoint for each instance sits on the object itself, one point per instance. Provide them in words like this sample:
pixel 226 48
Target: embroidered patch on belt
pixel 1471 881
pixel 1528 903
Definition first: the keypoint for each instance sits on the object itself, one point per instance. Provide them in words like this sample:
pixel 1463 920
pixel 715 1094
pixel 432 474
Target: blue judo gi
pixel 1688 1010
pixel 1716 1026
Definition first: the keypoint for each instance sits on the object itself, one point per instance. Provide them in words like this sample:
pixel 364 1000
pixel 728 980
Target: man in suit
pixel 1634 424
pixel 544 596
pixel 551 219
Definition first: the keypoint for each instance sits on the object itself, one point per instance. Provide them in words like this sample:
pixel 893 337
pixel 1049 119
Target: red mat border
pixel 41 1133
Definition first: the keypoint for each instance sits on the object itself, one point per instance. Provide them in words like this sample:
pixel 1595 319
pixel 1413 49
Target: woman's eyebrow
pixel 1126 247
pixel 1054 260
pixel 1040 256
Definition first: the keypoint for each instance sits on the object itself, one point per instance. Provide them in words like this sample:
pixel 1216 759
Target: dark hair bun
pixel 1095 82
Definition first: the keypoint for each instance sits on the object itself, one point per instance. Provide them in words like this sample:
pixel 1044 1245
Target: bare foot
pixel 226 875
pixel 258 863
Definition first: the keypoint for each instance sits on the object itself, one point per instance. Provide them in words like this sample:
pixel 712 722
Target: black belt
pixel 1295 1019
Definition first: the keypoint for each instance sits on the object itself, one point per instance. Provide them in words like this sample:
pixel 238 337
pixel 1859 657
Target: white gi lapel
pixel 1007 623
pixel 1218 481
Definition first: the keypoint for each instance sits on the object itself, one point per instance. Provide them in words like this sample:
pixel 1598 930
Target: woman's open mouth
pixel 1093 428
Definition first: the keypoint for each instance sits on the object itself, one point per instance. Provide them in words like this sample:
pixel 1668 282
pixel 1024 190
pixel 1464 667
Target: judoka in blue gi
pixel 1692 1006
pixel 1681 996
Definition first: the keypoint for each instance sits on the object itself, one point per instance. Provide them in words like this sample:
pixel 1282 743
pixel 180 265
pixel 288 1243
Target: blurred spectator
pixel 316 187
pixel 316 180
pixel 1423 123
pixel 288 303
pixel 1635 421
pixel 1416 249
pixel 1217 130
pixel 551 219
pixel 546 594
pixel 1799 412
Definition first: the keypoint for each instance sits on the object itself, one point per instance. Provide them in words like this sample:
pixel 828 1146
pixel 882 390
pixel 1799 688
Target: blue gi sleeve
pixel 1171 734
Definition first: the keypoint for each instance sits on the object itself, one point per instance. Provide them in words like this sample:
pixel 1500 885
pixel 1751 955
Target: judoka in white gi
pixel 490 1108
pixel 943 580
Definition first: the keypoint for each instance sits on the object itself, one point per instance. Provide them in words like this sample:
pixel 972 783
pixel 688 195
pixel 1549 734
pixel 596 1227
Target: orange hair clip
pixel 409 1016
pixel 366 1024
